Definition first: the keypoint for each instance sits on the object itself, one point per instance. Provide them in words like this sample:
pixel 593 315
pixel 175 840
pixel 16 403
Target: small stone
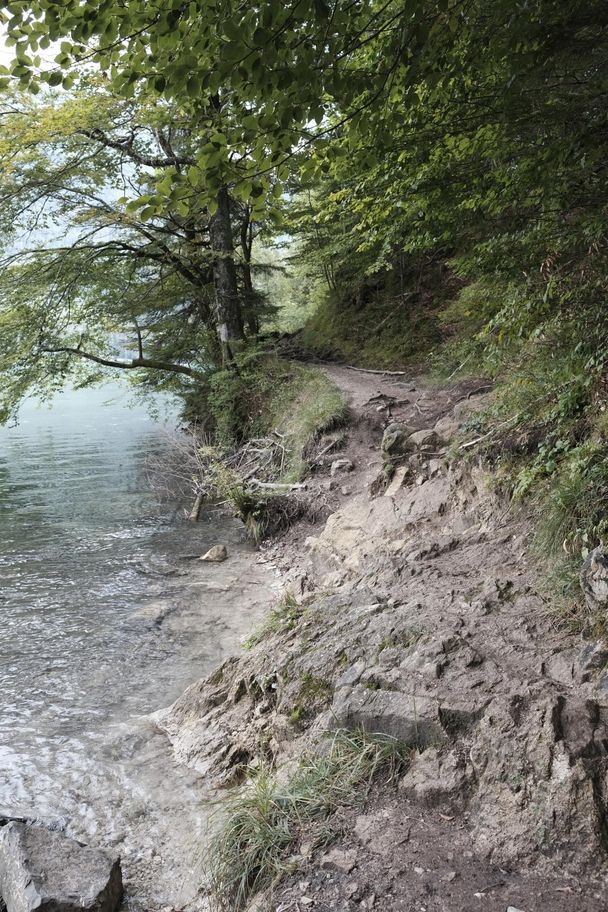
pixel 351 888
pixel 472 657
pixel 593 657
pixel 341 465
pixel 306 900
pixel 513 909
pixel 447 428
pixel 343 860
pixel 419 871
pixel 216 554
pixel 435 467
pixel 345 491
pixel 395 439
pixel 451 876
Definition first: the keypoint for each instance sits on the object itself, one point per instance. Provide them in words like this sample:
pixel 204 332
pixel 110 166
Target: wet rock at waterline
pixel 594 580
pixel 216 554
pixel 44 870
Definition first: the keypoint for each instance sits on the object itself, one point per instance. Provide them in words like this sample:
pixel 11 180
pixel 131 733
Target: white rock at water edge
pixel 216 554
pixel 41 869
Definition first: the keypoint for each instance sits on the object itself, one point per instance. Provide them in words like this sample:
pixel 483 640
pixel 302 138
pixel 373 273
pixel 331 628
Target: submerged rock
pixel 594 580
pixel 46 871
pixel 216 554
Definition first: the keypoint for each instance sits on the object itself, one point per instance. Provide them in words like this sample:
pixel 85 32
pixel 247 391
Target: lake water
pixel 104 618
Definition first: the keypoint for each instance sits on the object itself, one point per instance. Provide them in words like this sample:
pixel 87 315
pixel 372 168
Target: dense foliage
pixel 440 164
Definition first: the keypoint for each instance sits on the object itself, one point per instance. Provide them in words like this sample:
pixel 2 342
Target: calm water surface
pixel 103 619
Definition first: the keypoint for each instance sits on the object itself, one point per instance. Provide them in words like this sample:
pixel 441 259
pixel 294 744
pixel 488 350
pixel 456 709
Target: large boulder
pixel 594 580
pixel 45 871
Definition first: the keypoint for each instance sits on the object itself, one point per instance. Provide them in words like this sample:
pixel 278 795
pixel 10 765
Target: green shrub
pixel 267 394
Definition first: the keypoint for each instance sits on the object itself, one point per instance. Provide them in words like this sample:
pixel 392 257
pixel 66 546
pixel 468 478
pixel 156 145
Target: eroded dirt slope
pixel 419 617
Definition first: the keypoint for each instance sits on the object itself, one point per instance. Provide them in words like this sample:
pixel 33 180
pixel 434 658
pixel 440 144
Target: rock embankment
pixel 418 616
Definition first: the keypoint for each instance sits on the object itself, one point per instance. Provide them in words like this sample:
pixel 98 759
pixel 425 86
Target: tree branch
pixel 126 146
pixel 133 364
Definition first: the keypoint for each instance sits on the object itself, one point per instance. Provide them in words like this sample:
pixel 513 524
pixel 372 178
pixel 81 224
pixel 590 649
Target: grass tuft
pixel 253 848
pixel 283 617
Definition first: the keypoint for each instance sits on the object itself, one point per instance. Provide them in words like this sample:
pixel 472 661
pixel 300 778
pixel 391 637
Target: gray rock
pixel 397 481
pixel 46 871
pixel 447 428
pixel 341 465
pixel 468 406
pixel 425 440
pixel 395 439
pixel 216 554
pixel 411 719
pixel 592 657
pixel 342 859
pixel 434 778
pixel 594 580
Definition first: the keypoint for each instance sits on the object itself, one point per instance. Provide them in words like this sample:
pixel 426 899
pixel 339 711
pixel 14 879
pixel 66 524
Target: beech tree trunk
pixel 228 315
pixel 251 317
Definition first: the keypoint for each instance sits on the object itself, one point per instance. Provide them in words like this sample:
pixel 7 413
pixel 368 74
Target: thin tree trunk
pixel 251 317
pixel 228 315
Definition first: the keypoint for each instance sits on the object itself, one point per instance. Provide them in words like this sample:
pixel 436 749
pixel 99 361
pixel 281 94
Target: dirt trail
pixel 421 619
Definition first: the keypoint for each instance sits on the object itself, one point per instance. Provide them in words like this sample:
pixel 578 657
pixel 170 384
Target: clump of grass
pixel 252 849
pixel 313 695
pixel 403 639
pixel 573 516
pixel 283 617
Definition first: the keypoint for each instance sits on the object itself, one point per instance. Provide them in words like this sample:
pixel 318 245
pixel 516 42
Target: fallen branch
pixel 470 443
pixel 195 512
pixel 277 484
pixel 366 370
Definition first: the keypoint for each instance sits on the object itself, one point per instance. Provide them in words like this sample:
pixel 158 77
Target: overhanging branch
pixel 132 364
